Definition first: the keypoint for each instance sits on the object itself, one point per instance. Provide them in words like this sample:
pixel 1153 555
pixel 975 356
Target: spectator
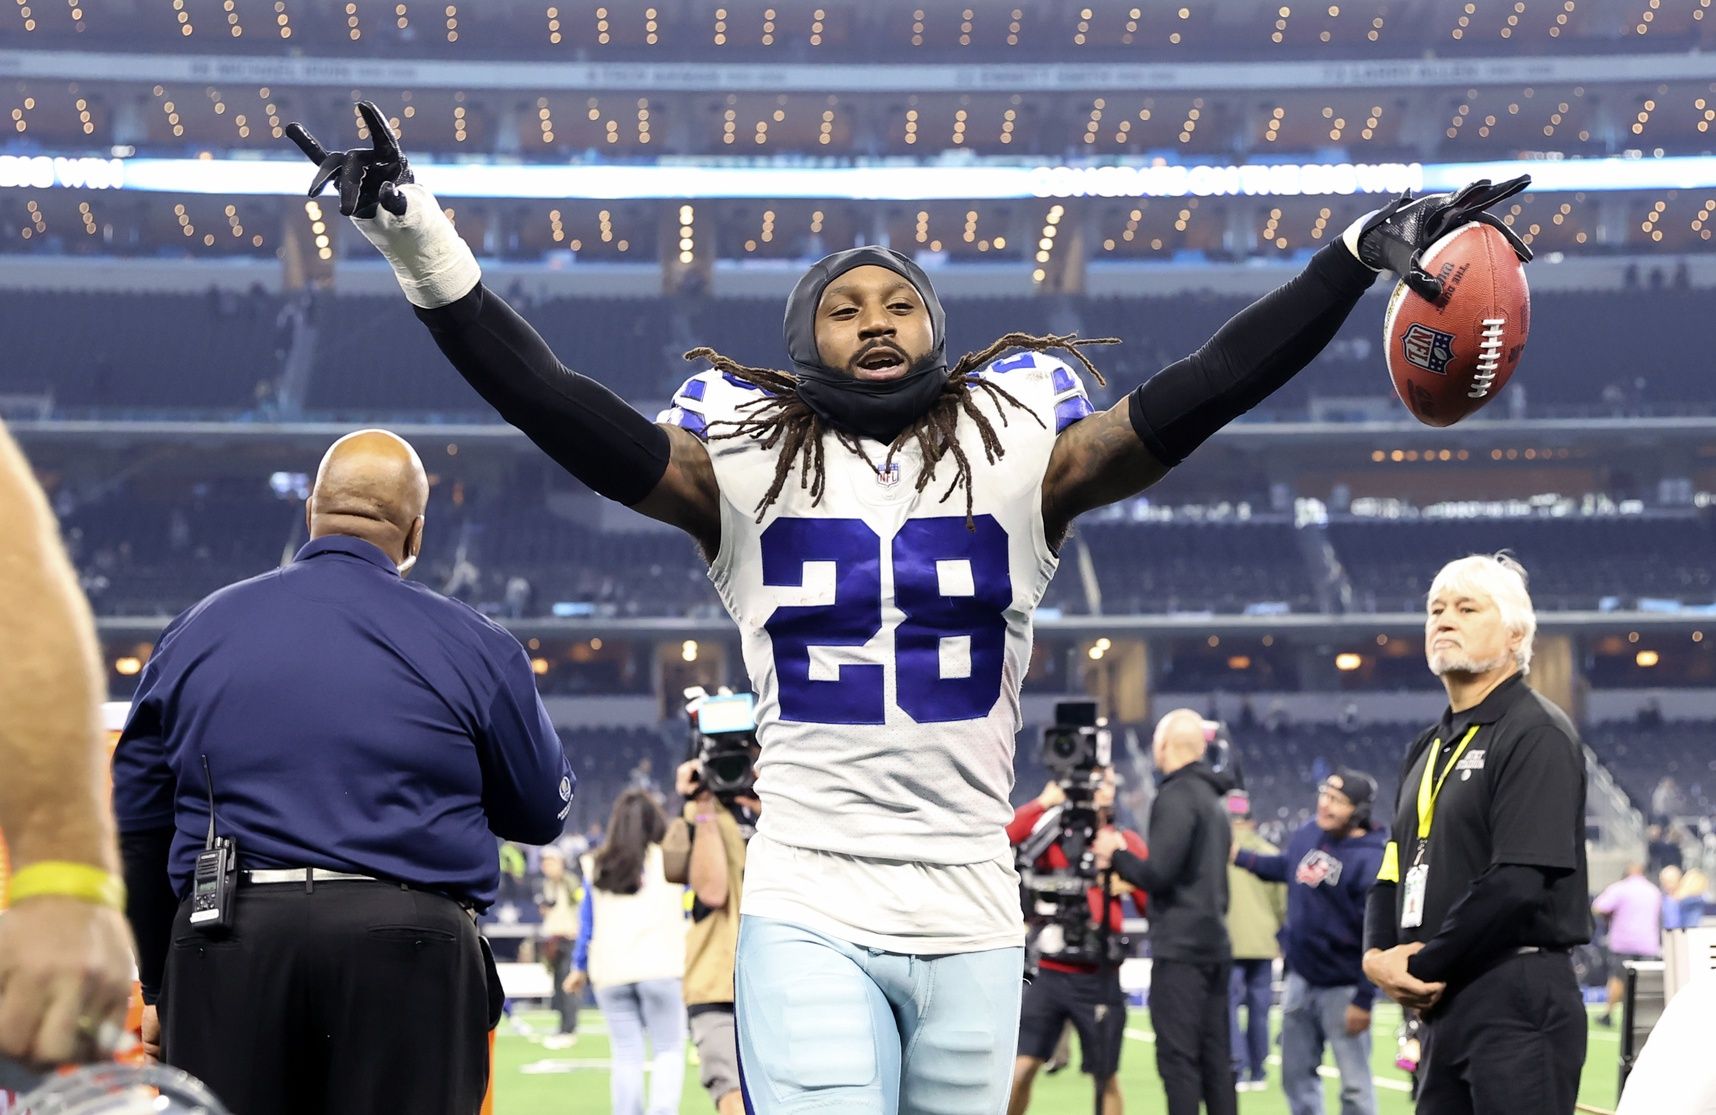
pixel 631 949
pixel 1663 851
pixel 1185 879
pixel 1255 912
pixel 1690 898
pixel 559 897
pixel 1633 906
pixel 1330 866
pixel 1668 882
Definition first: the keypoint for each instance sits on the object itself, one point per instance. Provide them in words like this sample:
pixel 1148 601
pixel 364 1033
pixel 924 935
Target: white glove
pixel 434 266
pixel 1351 236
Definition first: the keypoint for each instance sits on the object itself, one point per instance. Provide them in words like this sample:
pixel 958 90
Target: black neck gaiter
pixel 872 409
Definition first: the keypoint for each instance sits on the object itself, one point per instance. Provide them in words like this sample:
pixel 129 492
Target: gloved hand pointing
pixel 365 179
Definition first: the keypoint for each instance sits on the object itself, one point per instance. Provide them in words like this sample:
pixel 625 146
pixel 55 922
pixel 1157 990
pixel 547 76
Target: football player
pixel 886 625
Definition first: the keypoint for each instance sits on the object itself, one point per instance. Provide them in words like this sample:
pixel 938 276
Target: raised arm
pixel 1133 444
pixel 660 471
pixel 65 955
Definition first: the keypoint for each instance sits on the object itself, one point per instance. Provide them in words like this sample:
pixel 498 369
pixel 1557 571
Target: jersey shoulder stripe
pixel 709 396
pixel 1064 389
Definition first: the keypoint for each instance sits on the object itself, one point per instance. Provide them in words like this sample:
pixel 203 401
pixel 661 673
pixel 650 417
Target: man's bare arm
pixel 1095 462
pixel 65 954
pixel 686 496
pixel 52 799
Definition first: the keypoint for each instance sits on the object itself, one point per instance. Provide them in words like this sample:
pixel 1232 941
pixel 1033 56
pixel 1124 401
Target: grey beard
pixel 1456 662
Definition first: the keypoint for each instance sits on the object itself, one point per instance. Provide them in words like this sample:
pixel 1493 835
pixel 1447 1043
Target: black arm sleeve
pixel 1483 924
pixel 1173 824
pixel 1380 930
pixel 1262 347
pixel 150 904
pixel 587 429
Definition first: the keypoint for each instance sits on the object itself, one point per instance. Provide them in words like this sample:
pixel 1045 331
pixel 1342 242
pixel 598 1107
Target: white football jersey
pixel 885 641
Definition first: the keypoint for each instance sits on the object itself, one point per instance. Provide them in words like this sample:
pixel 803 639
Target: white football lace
pixel 1489 357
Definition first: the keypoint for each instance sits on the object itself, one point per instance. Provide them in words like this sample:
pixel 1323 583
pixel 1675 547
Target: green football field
pixel 532 1079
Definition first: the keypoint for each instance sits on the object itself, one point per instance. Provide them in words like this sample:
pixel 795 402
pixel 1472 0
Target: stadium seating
pixel 1640 755
pixel 375 360
pixel 1576 563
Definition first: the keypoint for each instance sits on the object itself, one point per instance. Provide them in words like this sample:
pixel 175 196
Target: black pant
pixel 1188 1008
pixel 1510 1042
pixel 557 954
pixel 355 999
pixel 1092 1001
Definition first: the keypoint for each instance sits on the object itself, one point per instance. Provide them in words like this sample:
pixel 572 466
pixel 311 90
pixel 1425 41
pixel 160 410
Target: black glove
pixel 366 178
pixel 1396 236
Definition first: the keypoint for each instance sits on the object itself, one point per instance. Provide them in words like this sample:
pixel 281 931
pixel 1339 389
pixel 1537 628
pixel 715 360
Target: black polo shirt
pixel 1514 795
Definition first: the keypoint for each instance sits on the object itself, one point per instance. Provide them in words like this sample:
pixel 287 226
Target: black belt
pixel 1527 950
pixel 308 877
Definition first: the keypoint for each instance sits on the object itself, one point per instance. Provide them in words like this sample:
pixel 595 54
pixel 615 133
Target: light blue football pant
pixel 826 1025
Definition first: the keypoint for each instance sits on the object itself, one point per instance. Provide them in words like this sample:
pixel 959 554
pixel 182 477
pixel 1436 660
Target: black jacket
pixel 1186 873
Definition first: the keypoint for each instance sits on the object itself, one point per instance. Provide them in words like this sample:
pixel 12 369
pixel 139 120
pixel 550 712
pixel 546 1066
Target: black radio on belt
pixel 216 874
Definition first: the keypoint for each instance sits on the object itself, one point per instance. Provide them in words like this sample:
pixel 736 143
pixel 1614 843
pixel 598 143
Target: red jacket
pixel 1025 819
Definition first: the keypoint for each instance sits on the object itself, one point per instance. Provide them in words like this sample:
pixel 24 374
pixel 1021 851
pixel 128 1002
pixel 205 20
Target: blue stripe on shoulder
pixel 1070 410
pixel 739 383
pixel 688 419
pixel 1014 363
pixel 694 388
pixel 1063 380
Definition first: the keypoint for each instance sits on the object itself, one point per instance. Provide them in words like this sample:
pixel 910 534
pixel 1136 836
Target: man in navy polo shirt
pixel 367 740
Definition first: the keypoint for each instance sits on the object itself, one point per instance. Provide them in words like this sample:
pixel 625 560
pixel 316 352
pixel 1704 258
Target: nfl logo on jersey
pixel 889 475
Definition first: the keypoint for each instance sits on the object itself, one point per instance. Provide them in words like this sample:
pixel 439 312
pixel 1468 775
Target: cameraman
pixel 705 848
pixel 1088 994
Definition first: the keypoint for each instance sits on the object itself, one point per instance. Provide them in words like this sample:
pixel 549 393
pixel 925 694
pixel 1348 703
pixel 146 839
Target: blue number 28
pixel 953 587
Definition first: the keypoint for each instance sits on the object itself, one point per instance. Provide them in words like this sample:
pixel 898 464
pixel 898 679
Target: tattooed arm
pixel 1097 461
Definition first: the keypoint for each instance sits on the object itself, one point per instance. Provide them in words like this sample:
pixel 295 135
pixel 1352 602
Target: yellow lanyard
pixel 1427 793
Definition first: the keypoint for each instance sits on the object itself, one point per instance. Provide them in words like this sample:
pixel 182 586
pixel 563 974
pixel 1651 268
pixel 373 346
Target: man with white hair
pixel 1482 893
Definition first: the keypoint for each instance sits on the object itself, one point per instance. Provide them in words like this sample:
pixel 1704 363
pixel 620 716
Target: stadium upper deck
pixel 981 91
pixel 1061 31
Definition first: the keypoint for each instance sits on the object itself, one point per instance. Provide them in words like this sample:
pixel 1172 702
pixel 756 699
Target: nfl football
pixel 1451 356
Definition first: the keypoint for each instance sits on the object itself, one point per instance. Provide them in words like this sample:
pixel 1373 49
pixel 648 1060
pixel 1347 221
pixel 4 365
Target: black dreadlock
pixel 782 418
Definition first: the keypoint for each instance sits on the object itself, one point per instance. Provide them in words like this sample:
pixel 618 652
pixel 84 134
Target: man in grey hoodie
pixel 1186 879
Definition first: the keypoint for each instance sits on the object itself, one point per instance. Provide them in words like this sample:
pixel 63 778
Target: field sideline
pixel 535 1080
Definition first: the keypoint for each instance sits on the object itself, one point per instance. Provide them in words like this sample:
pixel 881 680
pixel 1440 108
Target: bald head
pixel 1179 740
pixel 371 485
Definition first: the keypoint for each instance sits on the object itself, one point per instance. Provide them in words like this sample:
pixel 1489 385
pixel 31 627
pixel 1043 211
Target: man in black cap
pixel 1329 867
pixel 887 635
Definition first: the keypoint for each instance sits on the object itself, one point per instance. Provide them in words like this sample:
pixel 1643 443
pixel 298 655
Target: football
pixel 1451 356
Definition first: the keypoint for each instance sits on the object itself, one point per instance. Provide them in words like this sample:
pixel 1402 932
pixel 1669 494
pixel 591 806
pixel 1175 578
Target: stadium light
pixel 243 176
